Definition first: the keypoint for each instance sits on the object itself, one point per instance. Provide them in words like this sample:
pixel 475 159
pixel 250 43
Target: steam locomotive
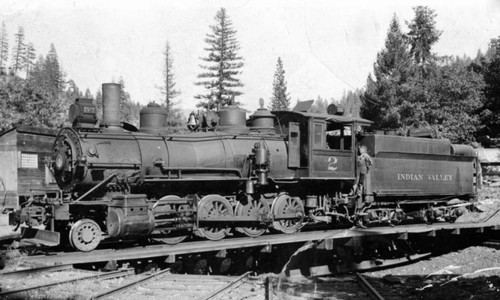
pixel 279 170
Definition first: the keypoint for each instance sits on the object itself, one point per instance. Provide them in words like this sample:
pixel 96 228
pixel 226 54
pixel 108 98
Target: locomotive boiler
pixel 275 171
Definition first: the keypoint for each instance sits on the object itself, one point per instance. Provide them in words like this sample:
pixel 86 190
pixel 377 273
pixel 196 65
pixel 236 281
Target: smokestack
pixel 111 106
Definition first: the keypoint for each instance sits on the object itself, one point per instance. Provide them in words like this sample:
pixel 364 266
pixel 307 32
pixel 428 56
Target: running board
pixel 39 237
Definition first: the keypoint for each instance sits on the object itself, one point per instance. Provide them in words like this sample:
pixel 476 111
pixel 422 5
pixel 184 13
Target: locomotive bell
pixel 192 122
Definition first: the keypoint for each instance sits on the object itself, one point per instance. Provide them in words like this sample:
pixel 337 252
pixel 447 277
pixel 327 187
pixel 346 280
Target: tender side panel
pixel 417 167
pixel 420 175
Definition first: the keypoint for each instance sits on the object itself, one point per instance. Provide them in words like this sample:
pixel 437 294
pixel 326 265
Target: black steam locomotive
pixel 275 171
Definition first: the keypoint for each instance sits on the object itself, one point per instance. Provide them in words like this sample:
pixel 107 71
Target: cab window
pixel 339 137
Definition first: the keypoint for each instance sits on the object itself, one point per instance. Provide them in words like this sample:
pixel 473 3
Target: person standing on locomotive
pixel 364 162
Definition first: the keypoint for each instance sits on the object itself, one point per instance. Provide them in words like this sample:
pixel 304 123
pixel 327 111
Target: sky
pixel 327 47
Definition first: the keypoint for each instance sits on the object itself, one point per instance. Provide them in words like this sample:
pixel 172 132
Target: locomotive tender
pixel 281 170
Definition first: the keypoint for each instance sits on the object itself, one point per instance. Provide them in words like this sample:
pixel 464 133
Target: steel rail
pixel 37 270
pixel 371 290
pixel 128 285
pixel 109 275
pixel 491 216
pixel 224 288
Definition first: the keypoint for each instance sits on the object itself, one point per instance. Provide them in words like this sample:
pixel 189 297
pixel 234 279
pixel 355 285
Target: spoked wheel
pixel 257 209
pixel 166 206
pixel 214 207
pixel 85 235
pixel 292 208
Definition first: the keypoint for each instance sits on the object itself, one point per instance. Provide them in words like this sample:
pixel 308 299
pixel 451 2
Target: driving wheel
pixel 256 209
pixel 214 207
pixel 289 212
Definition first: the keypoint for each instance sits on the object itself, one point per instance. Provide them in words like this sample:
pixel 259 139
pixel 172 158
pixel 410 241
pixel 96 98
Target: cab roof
pixel 327 117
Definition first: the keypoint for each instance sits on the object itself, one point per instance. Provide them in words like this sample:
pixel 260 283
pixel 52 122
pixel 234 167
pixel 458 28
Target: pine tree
pixel 29 60
pixel 220 79
pixel 72 92
pixel 54 74
pixel 490 113
pixel 98 104
pixel 125 103
pixel 168 88
pixel 280 100
pixel 4 49
pixel 385 90
pixel 19 51
pixel 88 94
pixel 351 103
pixel 423 34
pixel 319 106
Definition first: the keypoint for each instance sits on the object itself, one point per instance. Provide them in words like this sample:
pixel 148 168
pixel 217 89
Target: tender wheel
pixel 397 216
pixel 214 207
pixel 284 205
pixel 166 205
pixel 85 235
pixel 257 209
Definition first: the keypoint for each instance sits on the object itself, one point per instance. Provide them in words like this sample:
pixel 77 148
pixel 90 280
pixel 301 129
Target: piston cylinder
pixel 128 215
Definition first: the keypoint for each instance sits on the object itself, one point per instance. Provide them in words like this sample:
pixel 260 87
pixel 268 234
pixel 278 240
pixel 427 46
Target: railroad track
pixel 339 287
pixel 99 276
pixel 161 284
pixel 157 284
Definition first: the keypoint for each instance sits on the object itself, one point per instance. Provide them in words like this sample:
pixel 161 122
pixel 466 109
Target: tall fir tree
pixel 125 103
pixel 18 51
pixel 351 103
pixel 224 64
pixel 280 100
pixel 168 83
pixel 385 90
pixel 490 113
pixel 4 49
pixel 423 34
pixel 98 104
pixel 88 94
pixel 319 106
pixel 29 59
pixel 54 75
pixel 53 104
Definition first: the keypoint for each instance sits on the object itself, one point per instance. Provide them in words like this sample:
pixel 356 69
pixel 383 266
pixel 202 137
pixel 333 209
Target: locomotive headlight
pixel 60 161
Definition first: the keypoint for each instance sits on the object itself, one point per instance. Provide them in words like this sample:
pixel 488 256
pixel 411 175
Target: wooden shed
pixel 23 154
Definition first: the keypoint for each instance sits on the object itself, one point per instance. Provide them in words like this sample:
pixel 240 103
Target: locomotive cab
pixel 320 145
